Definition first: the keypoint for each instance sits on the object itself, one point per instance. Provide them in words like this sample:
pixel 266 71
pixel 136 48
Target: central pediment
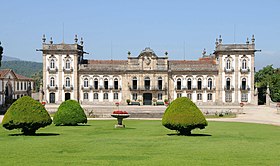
pixel 147 52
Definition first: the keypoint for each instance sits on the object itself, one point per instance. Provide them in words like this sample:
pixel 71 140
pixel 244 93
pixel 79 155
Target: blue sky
pixel 112 28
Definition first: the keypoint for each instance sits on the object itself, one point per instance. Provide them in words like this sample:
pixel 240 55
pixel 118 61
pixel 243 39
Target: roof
pixel 203 64
pixel 4 72
pixel 120 62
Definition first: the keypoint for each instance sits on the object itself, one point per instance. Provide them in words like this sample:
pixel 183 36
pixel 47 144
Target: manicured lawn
pixel 143 143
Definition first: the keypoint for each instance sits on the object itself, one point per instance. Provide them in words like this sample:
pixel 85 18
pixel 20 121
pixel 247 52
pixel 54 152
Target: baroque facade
pixel 225 77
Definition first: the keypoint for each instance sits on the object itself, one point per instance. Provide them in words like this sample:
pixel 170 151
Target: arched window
pixel 228 84
pixel 86 82
pixel 179 84
pixel 52 82
pixel 228 65
pixel 52 64
pixel 199 84
pixel 95 84
pixel 189 84
pixel 106 83
pixel 134 83
pixel 244 64
pixel 243 85
pixel 67 64
pixel 95 96
pixel 147 83
pixel 116 83
pixel 67 83
pixel 105 96
pixel 159 83
pixel 210 83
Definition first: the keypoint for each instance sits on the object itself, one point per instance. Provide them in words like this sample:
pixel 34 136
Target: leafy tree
pixel 38 77
pixel 268 76
pixel 26 114
pixel 1 52
pixel 183 115
pixel 69 113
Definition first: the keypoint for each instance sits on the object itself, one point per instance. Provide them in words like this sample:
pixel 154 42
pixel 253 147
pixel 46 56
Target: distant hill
pixel 8 58
pixel 25 68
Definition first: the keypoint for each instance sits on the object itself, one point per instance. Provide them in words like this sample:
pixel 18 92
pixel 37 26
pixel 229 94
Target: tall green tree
pixel 38 77
pixel 1 52
pixel 268 76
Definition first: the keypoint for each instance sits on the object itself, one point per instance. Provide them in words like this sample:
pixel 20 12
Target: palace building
pixel 225 77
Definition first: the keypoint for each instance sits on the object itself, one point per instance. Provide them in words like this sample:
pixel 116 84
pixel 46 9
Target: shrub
pixel 127 101
pixel 183 115
pixel 26 114
pixel 69 113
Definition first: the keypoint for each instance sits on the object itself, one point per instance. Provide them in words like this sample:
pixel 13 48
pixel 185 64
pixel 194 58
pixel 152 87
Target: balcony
pixel 244 71
pixel 68 88
pixel 179 88
pixel 52 88
pixel 228 88
pixel 88 88
pixel 213 88
pixel 68 70
pixel 231 70
pixel 52 70
pixel 242 88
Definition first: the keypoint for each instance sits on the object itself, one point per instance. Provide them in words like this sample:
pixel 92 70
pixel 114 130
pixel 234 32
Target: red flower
pixel 43 103
pixel 120 112
pixel 117 103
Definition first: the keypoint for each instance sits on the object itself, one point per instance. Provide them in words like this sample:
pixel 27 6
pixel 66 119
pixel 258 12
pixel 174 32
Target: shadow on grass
pixel 192 135
pixel 36 134
pixel 73 125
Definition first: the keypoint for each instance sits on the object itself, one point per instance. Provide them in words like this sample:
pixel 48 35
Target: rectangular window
pixel 116 96
pixel 95 96
pixel 244 97
pixel 179 95
pixel 134 96
pixel 25 86
pixel 228 97
pixel 159 96
pixel 189 95
pixel 209 96
pixel 21 86
pixel 199 96
pixel 17 85
pixel 85 96
pixel 105 96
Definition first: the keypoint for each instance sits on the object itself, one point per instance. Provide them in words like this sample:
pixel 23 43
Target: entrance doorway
pixel 67 96
pixel 52 97
pixel 147 99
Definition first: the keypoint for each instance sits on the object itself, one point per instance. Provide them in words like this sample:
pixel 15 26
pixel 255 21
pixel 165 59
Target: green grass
pixel 143 143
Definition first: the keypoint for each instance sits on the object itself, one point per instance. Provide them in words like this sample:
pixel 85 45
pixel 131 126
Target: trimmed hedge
pixel 183 115
pixel 26 114
pixel 69 113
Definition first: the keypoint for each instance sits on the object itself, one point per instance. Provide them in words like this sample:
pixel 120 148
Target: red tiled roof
pixel 3 72
pixel 21 77
pixel 107 62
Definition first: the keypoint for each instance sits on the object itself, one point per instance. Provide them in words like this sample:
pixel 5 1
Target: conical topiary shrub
pixel 183 115
pixel 26 114
pixel 69 113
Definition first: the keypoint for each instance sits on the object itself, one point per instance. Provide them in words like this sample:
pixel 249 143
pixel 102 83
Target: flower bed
pixel 120 112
